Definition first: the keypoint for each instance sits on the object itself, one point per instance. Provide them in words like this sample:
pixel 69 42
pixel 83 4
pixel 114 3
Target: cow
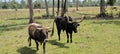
pixel 39 34
pixel 67 24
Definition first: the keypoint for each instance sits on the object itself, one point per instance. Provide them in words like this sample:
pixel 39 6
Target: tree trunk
pixel 67 5
pixel 31 20
pixel 84 2
pixel 58 7
pixel 64 9
pixel 77 5
pixel 41 4
pixel 62 5
pixel 102 8
pixel 119 13
pixel 53 7
pixel 47 12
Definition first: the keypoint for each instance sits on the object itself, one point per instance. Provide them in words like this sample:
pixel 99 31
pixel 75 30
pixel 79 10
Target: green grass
pixel 96 36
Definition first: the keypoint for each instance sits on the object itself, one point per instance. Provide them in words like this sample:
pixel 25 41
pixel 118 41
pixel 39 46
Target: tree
pixel 58 7
pixel 64 9
pixel 53 8
pixel 42 4
pixel 5 5
pixel 118 2
pixel 31 19
pixel 0 4
pixel 15 5
pixel 47 12
pixel 9 3
pixel 84 2
pixel 102 8
pixel 37 4
pixel 111 3
pixel 77 4
pixel 23 4
pixel 67 4
pixel 62 5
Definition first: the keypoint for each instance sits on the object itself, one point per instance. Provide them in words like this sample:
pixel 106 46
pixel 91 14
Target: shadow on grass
pixel 108 22
pixel 12 27
pixel 28 18
pixel 54 42
pixel 26 50
pixel 86 14
pixel 18 19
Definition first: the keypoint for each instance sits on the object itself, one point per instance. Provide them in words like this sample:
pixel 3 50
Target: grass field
pixel 97 36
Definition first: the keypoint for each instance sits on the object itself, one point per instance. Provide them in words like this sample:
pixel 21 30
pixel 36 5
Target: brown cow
pixel 38 33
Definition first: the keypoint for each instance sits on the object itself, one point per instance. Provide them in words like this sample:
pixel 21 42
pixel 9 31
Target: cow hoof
pixel 71 41
pixel 37 49
pixel 59 40
pixel 67 41
pixel 29 44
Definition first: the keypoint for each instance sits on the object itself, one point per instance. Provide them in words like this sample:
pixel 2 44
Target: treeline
pixel 13 4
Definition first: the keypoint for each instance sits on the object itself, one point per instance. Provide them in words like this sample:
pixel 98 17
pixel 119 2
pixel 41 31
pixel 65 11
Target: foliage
pixel 111 2
pixel 5 6
pixel 41 4
pixel 15 4
pixel 23 4
pixel 37 4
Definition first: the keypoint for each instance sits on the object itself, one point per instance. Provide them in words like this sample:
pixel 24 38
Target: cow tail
pixel 52 29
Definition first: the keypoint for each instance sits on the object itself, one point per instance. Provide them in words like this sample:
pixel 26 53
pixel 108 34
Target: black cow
pixel 39 34
pixel 65 23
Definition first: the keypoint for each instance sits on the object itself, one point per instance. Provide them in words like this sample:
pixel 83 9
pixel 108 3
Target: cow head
pixel 43 32
pixel 74 26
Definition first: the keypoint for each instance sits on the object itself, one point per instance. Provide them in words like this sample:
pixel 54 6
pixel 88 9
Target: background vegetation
pixel 22 4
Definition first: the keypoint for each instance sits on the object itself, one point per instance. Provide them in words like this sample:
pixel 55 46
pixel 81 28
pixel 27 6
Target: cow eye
pixel 75 25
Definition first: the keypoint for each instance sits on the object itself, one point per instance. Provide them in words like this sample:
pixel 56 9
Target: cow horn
pixel 81 20
pixel 69 21
pixel 39 28
pixel 47 27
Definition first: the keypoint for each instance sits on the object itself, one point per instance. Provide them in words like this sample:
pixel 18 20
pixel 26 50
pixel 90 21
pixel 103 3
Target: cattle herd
pixel 40 34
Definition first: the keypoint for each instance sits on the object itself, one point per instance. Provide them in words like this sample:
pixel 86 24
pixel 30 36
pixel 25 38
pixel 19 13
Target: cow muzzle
pixel 46 40
pixel 75 31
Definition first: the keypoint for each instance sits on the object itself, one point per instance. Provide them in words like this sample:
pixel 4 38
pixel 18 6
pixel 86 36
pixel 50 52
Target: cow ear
pixel 78 24
pixel 48 29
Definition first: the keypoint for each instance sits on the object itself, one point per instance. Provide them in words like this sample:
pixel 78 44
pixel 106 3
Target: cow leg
pixel 37 45
pixel 44 43
pixel 59 31
pixel 70 37
pixel 67 37
pixel 29 40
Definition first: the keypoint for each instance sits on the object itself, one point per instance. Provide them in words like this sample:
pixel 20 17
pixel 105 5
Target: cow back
pixel 61 22
pixel 32 28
